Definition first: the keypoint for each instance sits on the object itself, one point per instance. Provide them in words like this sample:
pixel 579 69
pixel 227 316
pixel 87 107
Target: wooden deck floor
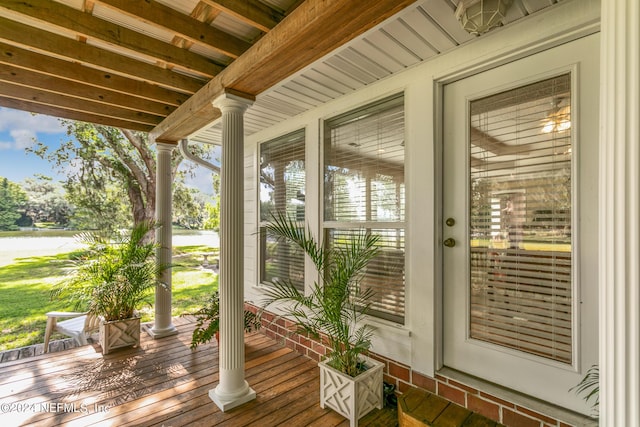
pixel 164 383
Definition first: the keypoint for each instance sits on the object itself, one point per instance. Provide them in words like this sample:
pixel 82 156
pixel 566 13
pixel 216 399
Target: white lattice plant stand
pixel 349 396
pixel 119 333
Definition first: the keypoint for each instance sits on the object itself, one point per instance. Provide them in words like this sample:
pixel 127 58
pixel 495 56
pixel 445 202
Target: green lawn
pixel 45 230
pixel 26 284
pixel 40 232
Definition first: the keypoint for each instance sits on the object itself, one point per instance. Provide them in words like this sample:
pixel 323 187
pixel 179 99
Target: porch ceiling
pixel 156 65
pixel 416 34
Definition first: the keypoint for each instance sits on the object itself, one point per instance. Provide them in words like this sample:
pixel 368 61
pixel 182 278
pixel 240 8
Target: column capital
pixel 165 146
pixel 232 101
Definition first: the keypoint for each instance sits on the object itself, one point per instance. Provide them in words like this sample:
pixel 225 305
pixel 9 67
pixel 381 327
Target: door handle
pixel 449 242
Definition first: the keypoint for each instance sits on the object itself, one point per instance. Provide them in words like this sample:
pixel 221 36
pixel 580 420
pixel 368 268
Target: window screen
pixel 364 189
pixel 520 219
pixel 282 190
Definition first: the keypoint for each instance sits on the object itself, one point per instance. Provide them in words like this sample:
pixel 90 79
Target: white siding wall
pixel 417 343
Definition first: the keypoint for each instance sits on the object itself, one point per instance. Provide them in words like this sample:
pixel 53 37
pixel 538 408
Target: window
pixel 364 189
pixel 282 189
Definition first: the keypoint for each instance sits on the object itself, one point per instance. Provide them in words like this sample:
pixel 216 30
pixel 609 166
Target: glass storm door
pixel 519 222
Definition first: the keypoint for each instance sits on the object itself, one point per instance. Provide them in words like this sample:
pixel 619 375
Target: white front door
pixel 520 238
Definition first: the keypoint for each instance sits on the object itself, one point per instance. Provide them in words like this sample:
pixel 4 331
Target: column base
pixel 160 333
pixel 226 403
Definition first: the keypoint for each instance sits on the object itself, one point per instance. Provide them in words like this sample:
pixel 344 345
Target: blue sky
pixel 19 129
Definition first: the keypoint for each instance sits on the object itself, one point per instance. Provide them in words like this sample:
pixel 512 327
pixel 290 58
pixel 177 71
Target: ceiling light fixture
pixel 479 16
pixel 559 120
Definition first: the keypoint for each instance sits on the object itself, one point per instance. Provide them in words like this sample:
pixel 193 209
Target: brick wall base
pixel 403 377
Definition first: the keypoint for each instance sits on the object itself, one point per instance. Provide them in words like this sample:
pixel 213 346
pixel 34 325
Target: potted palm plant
pixel 589 387
pixel 208 321
pixel 112 280
pixel 350 383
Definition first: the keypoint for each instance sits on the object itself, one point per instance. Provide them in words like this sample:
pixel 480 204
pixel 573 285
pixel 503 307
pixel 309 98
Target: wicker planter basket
pixel 119 333
pixel 349 396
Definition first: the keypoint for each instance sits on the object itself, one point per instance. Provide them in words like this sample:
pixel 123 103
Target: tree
pixel 12 199
pixel 212 221
pixel 46 201
pixel 106 166
pixel 105 208
pixel 188 206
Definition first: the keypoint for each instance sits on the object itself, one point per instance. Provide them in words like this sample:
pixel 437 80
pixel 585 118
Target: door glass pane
pixel 520 219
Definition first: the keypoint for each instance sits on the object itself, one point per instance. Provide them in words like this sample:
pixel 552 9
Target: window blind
pixel 364 189
pixel 282 189
pixel 384 275
pixel 520 219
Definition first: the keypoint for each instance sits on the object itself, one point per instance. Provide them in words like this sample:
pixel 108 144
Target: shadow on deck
pixel 165 383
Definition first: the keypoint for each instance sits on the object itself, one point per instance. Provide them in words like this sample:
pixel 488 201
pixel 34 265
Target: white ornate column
pixel 620 214
pixel 163 325
pixel 232 389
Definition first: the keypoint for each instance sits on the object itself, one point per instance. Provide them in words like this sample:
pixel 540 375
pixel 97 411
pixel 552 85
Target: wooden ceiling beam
pixel 64 87
pixel 13 56
pixel 184 26
pixel 27 36
pixel 311 31
pixel 83 24
pixel 62 113
pixel 190 119
pixel 251 12
pixel 38 96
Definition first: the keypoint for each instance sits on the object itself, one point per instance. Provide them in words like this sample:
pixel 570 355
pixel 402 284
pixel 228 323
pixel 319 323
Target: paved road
pixel 12 248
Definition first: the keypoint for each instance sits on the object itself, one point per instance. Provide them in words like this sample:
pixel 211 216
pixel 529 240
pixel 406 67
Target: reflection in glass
pixel 520 219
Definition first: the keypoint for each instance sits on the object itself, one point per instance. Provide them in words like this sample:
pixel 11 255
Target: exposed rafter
pixel 60 87
pixel 251 12
pixel 118 62
pixel 72 50
pixel 54 100
pixel 196 32
pixel 57 17
pixel 57 111
pixel 15 58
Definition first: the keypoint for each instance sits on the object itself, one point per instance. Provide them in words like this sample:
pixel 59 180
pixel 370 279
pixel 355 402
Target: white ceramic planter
pixel 349 396
pixel 119 333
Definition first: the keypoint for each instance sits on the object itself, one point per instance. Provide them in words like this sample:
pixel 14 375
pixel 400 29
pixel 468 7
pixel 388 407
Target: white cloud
pixel 24 127
pixel 23 138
